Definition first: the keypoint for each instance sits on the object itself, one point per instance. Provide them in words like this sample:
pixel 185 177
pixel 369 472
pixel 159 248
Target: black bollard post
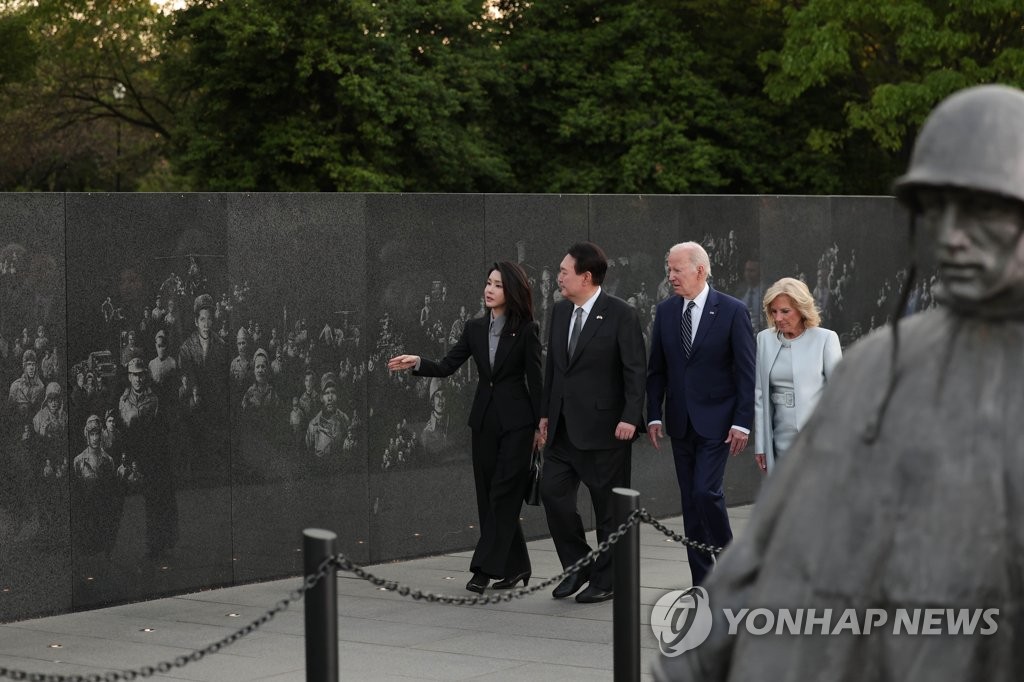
pixel 321 608
pixel 626 610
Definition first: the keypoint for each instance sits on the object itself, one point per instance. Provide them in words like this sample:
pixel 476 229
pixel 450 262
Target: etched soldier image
pixel 751 292
pixel 95 495
pixel 903 490
pixel 435 433
pixel 261 402
pixel 145 444
pixel 51 422
pixel 241 365
pixel 131 348
pixel 309 401
pixel 326 431
pixel 27 392
pixel 203 358
pixel 158 312
pixel 50 367
pixel 203 355
pixel 163 368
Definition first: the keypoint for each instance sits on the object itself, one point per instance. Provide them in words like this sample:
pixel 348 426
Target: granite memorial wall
pixel 195 378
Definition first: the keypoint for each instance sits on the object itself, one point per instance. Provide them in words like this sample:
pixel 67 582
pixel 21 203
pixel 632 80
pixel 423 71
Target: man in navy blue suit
pixel 702 367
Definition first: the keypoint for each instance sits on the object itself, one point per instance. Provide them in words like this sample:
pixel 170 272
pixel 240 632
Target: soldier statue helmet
pixel 971 150
pixel 923 515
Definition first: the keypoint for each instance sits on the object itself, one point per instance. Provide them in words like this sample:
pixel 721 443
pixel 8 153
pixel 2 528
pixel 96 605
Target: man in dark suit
pixel 702 366
pixel 592 407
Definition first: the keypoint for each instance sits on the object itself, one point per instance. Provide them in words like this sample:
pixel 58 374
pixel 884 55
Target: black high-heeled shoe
pixel 507 583
pixel 478 583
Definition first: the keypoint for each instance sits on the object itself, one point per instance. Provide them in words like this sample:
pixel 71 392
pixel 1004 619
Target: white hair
pixel 697 254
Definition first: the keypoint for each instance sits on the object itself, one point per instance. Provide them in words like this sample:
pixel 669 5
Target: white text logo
pixel 854 622
pixel 681 620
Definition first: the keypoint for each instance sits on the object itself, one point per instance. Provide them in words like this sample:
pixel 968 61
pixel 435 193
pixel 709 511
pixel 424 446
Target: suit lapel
pixel 771 356
pixel 481 334
pixel 560 331
pixel 676 320
pixel 590 327
pixel 707 319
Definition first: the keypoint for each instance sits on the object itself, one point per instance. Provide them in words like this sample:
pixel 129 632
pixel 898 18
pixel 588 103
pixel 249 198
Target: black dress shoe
pixel 506 583
pixel 592 595
pixel 570 585
pixel 478 583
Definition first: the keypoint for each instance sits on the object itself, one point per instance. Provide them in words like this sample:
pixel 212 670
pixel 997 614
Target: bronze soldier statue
pixel 906 488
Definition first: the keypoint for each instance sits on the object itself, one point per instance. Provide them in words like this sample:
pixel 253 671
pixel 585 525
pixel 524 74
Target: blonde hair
pixel 802 299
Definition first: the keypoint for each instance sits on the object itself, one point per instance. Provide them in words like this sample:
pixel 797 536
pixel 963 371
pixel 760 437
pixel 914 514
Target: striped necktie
pixel 686 329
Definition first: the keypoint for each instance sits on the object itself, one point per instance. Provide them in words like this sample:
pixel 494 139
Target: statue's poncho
pixel 929 515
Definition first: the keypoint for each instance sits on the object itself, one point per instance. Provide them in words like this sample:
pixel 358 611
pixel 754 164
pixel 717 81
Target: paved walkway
pixel 382 636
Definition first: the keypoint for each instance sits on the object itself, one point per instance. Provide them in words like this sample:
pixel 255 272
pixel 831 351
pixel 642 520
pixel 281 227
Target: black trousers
pixel 501 469
pixel 565 467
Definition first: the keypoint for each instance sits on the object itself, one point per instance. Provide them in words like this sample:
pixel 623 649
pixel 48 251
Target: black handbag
pixel 532 496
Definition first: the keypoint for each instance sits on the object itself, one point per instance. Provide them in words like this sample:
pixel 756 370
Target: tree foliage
pixel 327 95
pixel 874 69
pixel 770 96
pixel 605 96
pixel 62 125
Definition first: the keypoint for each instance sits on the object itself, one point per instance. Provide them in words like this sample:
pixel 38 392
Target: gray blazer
pixel 814 359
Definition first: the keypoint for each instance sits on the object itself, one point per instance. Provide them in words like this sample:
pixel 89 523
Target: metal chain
pixel 345 564
pixel 341 562
pixel 699 546
pixel 310 581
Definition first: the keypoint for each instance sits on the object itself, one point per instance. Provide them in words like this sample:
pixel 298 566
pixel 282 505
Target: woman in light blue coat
pixel 795 359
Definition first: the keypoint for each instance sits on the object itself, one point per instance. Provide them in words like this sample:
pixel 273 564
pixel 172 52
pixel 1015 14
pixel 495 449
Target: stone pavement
pixel 382 636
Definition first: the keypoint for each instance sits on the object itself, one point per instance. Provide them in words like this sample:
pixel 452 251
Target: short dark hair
pixel 590 258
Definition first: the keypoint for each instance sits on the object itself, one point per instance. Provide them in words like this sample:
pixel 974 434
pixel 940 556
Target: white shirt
pixel 698 308
pixel 587 307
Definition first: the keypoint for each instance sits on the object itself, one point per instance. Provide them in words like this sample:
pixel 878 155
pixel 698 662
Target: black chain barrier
pixel 699 546
pixel 343 563
pixel 506 595
pixel 308 583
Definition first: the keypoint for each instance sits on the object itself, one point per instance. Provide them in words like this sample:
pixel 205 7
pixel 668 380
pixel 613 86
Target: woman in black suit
pixel 505 344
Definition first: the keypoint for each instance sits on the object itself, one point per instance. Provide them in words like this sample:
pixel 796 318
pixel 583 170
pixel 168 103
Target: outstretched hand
pixel 400 362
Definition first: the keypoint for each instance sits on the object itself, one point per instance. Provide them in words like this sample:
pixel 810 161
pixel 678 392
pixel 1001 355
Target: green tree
pixel 328 95
pixel 81 107
pixel 654 96
pixel 868 72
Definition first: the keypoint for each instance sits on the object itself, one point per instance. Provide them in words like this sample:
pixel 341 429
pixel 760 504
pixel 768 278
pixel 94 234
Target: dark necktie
pixel 686 328
pixel 574 336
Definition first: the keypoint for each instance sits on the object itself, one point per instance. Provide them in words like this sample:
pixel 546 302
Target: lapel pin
pixel 600 317
pixel 711 312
